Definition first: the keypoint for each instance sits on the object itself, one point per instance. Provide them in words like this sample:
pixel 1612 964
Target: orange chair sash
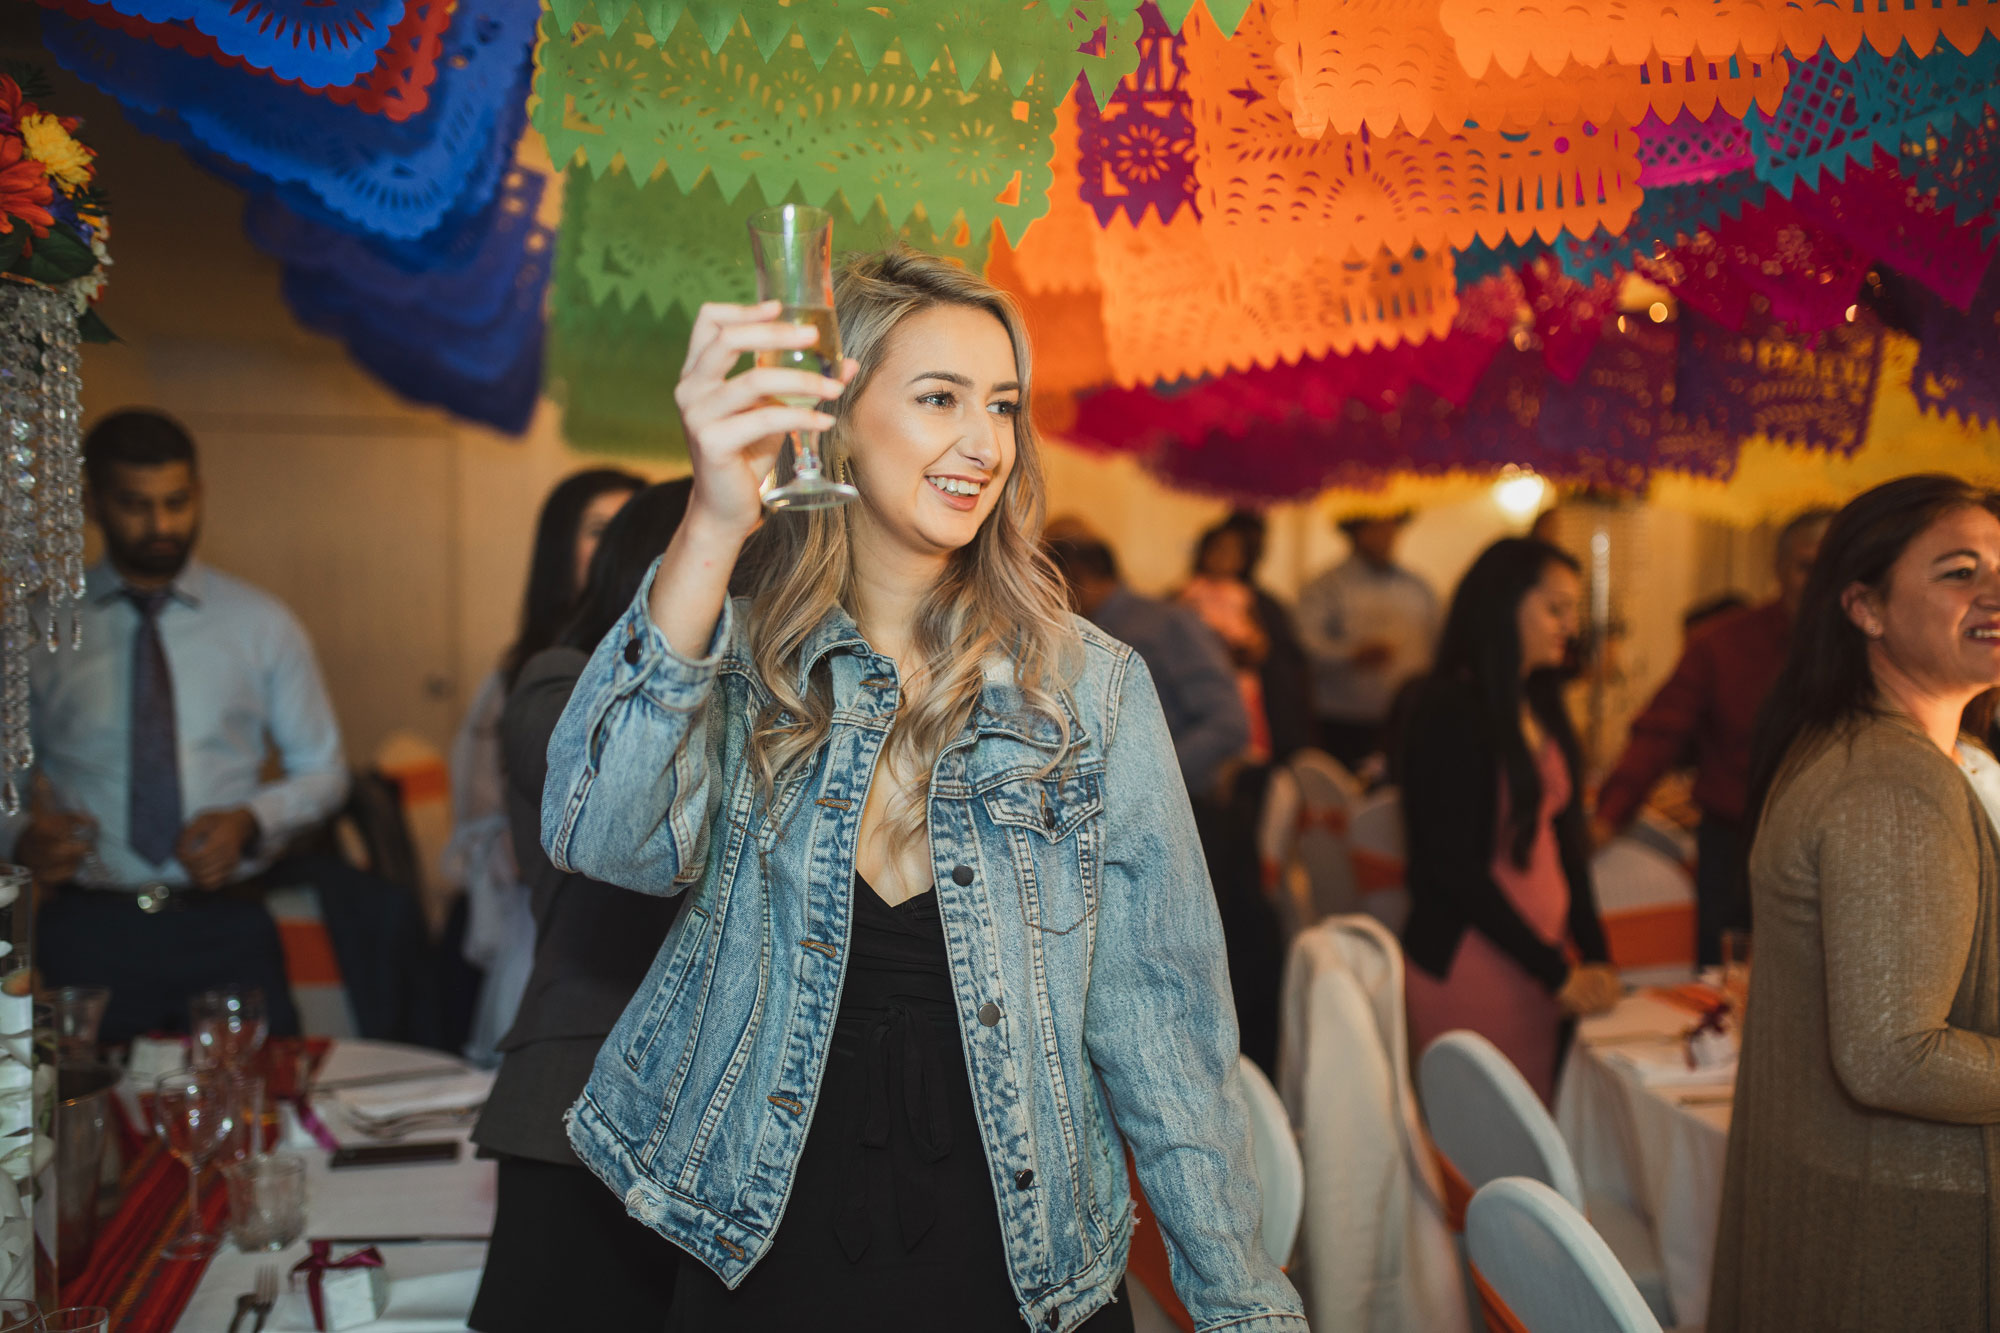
pixel 1500 1318
pixel 1457 1193
pixel 1374 872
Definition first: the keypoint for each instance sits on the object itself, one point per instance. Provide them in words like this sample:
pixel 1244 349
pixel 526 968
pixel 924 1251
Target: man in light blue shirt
pixel 1369 625
pixel 154 817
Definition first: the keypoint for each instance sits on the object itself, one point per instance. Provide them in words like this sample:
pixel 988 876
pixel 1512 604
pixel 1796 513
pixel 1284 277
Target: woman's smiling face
pixel 931 438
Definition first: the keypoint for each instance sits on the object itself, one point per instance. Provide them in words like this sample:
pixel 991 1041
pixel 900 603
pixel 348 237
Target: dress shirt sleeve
pixel 1162 1033
pixel 1899 884
pixel 302 727
pixel 1215 728
pixel 1660 734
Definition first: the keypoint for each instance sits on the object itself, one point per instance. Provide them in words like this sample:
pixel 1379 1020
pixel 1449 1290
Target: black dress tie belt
pixel 900 1048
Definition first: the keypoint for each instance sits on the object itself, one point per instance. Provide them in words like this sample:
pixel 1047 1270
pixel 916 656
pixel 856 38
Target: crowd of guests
pixel 1838 736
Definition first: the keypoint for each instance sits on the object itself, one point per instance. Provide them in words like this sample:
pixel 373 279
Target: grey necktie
pixel 155 809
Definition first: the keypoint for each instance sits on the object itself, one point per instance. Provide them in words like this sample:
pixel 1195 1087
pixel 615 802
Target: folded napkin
pixel 1636 1016
pixel 449 1093
pixel 1667 1067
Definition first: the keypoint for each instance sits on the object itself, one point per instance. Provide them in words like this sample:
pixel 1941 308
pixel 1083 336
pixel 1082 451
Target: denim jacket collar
pixel 836 630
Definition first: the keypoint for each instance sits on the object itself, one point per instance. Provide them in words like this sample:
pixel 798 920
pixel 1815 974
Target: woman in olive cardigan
pixel 1860 1192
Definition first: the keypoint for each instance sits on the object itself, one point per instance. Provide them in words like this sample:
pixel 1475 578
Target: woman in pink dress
pixel 1503 935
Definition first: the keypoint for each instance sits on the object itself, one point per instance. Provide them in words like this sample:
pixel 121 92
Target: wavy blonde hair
pixel 999 597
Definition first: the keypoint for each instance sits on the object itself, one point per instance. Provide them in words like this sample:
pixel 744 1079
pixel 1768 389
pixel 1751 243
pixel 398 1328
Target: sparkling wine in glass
pixel 193 1112
pixel 229 1026
pixel 793 248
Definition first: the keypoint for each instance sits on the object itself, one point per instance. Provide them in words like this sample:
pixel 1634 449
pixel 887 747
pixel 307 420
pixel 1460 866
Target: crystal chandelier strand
pixel 62 480
pixel 41 543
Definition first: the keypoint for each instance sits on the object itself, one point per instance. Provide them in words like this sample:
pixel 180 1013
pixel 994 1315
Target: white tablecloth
pixel 431 1286
pixel 1659 1147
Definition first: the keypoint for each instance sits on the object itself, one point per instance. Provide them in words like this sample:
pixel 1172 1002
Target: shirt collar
pixel 102 584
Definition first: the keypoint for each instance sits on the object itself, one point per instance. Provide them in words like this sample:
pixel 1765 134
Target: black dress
pixel 892 1222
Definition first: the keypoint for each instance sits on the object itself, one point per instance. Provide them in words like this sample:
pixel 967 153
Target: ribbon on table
pixel 315 1266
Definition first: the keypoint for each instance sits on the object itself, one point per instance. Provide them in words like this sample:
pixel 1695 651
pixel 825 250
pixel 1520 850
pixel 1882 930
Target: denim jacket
pixel 1084 947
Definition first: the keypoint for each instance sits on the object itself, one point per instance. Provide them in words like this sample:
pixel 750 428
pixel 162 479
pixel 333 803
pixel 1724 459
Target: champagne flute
pixel 793 247
pixel 192 1110
pixel 229 1026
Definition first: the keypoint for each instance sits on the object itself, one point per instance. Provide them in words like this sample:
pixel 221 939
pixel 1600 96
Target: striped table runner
pixel 126 1274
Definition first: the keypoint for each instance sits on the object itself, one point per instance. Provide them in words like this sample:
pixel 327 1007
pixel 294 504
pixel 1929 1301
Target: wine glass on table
pixel 793 247
pixel 193 1110
pixel 229 1025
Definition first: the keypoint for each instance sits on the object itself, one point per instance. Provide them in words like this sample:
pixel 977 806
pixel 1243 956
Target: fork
pixel 267 1295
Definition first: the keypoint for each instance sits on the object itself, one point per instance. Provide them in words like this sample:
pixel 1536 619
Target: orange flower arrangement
pixel 52 217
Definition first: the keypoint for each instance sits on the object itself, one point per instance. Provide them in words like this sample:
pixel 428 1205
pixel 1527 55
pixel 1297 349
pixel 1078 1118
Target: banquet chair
pixel 1645 895
pixel 1328 795
pixel 1280 1171
pixel 1375 1253
pixel 1488 1123
pixel 1376 850
pixel 1539 1267
pixel 1283 879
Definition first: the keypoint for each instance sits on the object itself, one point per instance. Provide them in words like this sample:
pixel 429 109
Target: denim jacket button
pixel 632 650
pixel 961 875
pixel 1024 1178
pixel 1054 1318
pixel 989 1013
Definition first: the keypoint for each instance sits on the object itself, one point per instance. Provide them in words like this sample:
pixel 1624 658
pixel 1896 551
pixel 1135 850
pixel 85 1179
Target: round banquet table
pixel 431 1286
pixel 1651 1135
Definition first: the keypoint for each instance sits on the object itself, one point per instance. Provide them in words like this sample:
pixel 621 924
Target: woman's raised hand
pixel 734 424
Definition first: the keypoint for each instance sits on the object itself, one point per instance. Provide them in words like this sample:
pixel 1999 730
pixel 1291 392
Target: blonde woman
pixel 949 934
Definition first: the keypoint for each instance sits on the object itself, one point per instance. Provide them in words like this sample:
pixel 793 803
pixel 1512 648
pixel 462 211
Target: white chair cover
pixel 1329 794
pixel 1375 1253
pixel 1376 850
pixel 1489 1123
pixel 1646 898
pixel 1283 879
pixel 1280 1172
pixel 1548 1265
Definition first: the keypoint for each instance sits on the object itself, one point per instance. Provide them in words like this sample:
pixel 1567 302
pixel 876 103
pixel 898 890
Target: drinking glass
pixel 20 1317
pixel 191 1111
pixel 229 1026
pixel 267 1201
pixel 75 1014
pixel 78 1319
pixel 793 247
pixel 247 1106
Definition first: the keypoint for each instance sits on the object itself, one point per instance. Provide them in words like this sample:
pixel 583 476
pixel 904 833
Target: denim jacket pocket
pixel 1053 831
pixel 664 991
